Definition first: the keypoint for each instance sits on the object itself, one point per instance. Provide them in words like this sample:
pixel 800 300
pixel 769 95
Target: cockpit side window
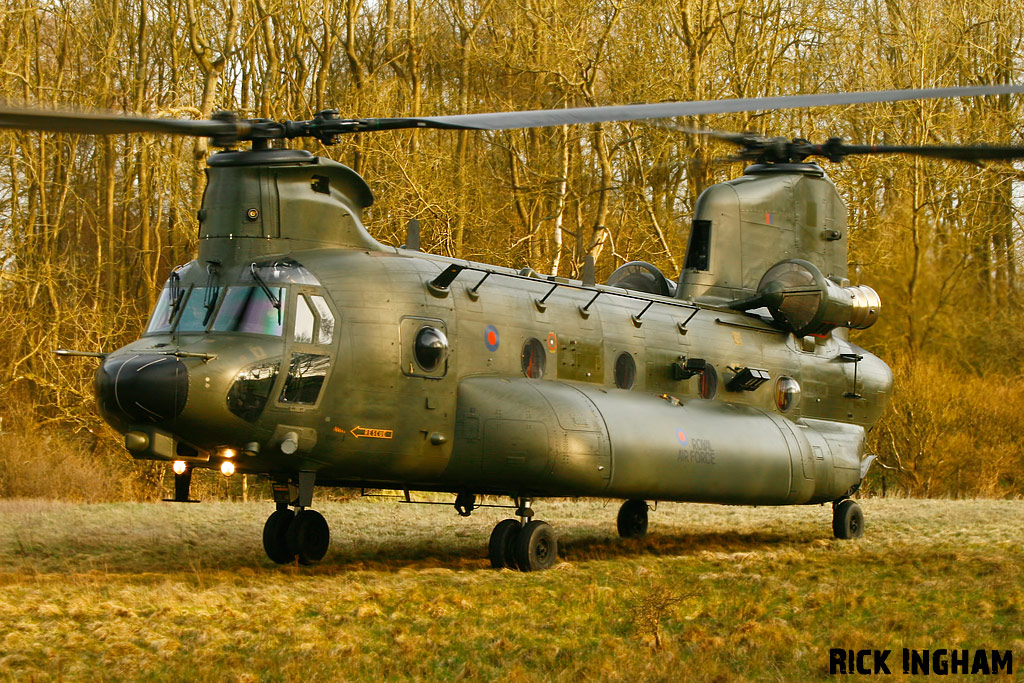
pixel 325 334
pixel 249 309
pixel 306 374
pixel 313 320
pixel 304 321
pixel 162 314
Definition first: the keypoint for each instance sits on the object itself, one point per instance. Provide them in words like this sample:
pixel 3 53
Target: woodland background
pixel 90 226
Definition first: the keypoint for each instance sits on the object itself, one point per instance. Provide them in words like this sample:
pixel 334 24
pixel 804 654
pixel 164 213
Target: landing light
pixel 227 468
pixel 179 467
pixel 228 452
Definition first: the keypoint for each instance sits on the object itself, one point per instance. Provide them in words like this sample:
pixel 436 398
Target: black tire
pixel 501 546
pixel 309 536
pixel 536 547
pixel 847 520
pixel 632 520
pixel 275 536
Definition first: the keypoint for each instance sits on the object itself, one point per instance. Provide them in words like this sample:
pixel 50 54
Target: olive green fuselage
pixel 544 387
pixel 478 424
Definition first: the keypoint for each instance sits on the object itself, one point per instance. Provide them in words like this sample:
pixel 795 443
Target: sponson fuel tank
pixel 560 438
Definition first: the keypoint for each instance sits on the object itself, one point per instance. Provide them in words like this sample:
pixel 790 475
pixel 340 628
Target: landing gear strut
pixel 302 535
pixel 525 544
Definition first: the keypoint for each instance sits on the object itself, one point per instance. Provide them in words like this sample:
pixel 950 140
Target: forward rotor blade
pixel 112 124
pixel 637 112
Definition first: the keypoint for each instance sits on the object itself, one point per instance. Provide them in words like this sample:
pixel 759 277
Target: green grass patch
pixel 170 592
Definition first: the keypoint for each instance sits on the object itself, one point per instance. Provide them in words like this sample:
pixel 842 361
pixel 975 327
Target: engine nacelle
pixel 805 302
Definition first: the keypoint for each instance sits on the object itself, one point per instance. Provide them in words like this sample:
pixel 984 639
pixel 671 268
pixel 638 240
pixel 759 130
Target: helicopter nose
pixel 142 388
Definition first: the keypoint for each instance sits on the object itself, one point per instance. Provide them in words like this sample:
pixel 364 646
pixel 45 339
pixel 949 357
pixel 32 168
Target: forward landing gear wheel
pixel 500 547
pixel 536 547
pixel 308 537
pixel 275 536
pixel 632 520
pixel 847 519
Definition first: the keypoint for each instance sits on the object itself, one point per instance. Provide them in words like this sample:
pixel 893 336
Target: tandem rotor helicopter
pixel 297 347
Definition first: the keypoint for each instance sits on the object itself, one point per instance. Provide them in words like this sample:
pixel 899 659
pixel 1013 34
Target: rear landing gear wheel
pixel 500 547
pixel 632 520
pixel 308 537
pixel 536 547
pixel 847 519
pixel 275 536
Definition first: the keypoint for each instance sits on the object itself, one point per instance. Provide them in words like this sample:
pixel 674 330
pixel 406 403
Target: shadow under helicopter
pixel 154 558
pixel 588 547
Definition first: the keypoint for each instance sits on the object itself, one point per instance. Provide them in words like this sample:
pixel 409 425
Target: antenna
pixel 589 280
pixel 412 235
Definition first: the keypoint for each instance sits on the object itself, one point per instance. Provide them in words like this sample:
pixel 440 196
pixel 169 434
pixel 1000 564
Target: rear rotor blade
pixel 956 152
pixel 636 112
pixel 756 147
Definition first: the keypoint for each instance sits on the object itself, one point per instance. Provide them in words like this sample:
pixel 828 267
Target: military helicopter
pixel 297 347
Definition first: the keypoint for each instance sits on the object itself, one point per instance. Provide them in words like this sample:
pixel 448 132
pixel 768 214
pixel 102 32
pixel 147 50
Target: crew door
pixel 311 334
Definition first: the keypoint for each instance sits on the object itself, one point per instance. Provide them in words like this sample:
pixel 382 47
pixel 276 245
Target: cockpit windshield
pixel 198 309
pixel 248 309
pixel 255 306
pixel 162 315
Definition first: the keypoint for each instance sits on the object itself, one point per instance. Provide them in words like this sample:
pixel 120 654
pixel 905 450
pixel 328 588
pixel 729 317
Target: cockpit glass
pixel 326 332
pixel 198 309
pixel 306 374
pixel 304 321
pixel 281 271
pixel 249 309
pixel 161 319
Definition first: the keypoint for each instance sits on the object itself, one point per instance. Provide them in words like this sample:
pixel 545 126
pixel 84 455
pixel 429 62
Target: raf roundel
pixel 552 342
pixel 491 338
pixel 681 435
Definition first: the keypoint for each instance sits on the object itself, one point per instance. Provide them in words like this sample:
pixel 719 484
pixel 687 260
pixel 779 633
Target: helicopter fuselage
pixel 529 399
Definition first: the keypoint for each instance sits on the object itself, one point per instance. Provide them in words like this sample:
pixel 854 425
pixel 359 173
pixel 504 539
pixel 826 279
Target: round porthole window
pixel 625 371
pixel 534 357
pixel 709 382
pixel 787 393
pixel 431 348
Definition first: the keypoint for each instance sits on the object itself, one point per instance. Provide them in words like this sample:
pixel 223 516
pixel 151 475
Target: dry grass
pixel 164 592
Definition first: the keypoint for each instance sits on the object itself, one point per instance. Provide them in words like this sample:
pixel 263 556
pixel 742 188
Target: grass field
pixel 184 592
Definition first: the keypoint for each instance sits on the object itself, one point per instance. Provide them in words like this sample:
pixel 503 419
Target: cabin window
pixel 430 348
pixel 534 357
pixel 698 253
pixel 625 371
pixel 249 309
pixel 306 374
pixel 787 393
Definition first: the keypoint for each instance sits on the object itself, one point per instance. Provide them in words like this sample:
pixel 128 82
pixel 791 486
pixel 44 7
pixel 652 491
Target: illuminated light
pixel 179 467
pixel 228 452
pixel 227 468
